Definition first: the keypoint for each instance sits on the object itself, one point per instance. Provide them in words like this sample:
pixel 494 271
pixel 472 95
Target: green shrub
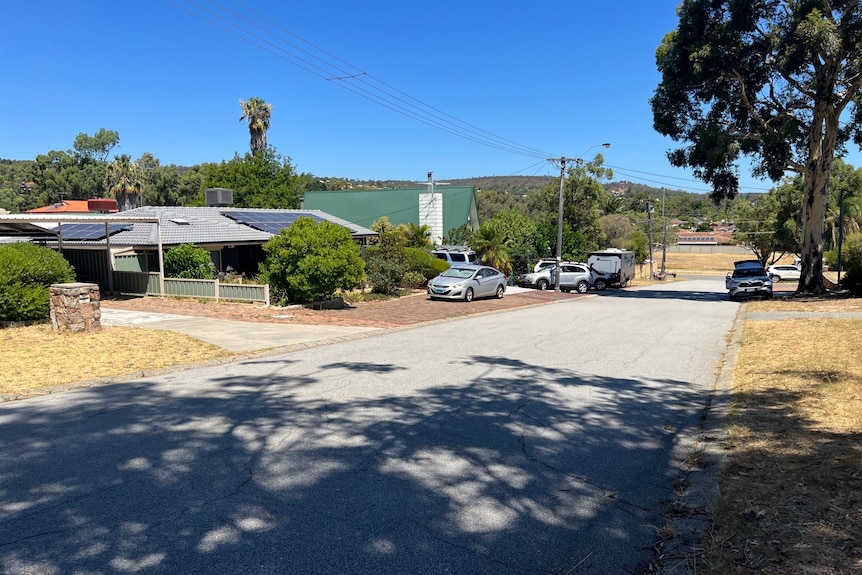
pixel 830 258
pixel 32 264
pixel 23 302
pixel 309 262
pixel 413 280
pixel 423 262
pixel 189 262
pixel 26 271
pixel 852 280
pixel 385 267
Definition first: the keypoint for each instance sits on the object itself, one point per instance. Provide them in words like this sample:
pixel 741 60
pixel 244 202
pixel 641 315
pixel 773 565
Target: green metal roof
pixel 401 206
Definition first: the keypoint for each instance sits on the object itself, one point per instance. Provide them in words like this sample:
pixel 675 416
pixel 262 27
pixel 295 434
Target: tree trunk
pixel 813 210
pixel 821 154
pixel 258 141
pixel 125 201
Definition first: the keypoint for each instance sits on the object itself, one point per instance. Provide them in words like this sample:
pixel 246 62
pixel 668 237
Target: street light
pixel 563 161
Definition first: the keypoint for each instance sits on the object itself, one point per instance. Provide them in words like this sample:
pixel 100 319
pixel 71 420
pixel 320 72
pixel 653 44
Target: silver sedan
pixel 466 281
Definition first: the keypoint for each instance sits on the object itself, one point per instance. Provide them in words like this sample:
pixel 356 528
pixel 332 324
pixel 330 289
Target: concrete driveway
pixel 238 336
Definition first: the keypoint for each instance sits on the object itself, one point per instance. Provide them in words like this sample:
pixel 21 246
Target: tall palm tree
pixel 258 113
pixel 613 205
pixel 123 180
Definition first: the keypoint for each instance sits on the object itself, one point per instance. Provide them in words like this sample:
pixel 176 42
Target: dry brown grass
pixel 37 357
pixel 814 304
pixel 711 263
pixel 792 489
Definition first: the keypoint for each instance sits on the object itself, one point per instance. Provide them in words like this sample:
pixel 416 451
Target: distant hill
pixel 517 185
pixel 510 184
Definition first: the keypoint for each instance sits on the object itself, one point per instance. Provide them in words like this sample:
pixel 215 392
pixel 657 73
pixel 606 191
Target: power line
pixel 624 170
pixel 326 66
pixel 260 31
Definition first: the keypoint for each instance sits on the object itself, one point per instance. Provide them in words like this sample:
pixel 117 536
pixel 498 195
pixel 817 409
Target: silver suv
pixel 574 276
pixel 748 279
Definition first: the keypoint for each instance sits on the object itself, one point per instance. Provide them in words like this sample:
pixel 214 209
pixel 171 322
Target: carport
pixel 49 227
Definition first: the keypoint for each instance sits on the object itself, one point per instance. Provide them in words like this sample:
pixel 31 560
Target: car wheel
pixel 500 291
pixel 601 285
pixel 582 286
pixel 468 295
pixel 542 285
pixel 775 279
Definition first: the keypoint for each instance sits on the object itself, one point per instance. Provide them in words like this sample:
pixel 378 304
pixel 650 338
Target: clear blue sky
pixel 541 79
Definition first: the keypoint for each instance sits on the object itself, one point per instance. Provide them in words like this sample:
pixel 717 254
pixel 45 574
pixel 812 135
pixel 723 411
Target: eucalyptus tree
pixel 257 113
pixel 583 194
pixel 775 81
pixel 264 180
pixel 96 147
pixel 755 222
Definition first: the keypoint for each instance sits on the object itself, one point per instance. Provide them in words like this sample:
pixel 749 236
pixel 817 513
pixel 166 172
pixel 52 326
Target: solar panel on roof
pixel 270 222
pixel 82 232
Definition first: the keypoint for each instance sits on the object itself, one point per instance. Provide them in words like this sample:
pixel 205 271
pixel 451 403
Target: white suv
pixel 780 273
pixel 748 279
pixel 455 254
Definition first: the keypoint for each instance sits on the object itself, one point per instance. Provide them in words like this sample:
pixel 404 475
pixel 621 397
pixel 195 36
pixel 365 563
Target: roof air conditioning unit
pixel 218 197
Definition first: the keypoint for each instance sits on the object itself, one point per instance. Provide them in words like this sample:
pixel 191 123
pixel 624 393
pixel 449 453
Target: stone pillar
pixel 75 307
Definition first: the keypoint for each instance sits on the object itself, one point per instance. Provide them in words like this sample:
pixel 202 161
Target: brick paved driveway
pixel 416 308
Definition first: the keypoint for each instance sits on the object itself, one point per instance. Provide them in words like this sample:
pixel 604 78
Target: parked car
pixel 784 272
pixel 545 263
pixel 749 278
pixel 455 254
pixel 573 276
pixel 467 281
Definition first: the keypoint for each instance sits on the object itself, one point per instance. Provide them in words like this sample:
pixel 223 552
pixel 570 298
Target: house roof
pixel 41 225
pixel 703 238
pixel 401 206
pixel 179 225
pixel 78 207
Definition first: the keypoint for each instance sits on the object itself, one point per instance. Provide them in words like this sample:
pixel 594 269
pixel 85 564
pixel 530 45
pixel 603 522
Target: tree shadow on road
pixel 525 469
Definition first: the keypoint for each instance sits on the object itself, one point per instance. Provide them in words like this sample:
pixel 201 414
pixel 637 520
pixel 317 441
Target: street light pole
pixel 559 254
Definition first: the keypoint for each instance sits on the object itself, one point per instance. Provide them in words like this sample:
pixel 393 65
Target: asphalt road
pixel 540 440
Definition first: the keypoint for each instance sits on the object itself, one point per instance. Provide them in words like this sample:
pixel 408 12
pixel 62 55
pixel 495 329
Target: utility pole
pixel 557 268
pixel 649 220
pixel 563 160
pixel 664 240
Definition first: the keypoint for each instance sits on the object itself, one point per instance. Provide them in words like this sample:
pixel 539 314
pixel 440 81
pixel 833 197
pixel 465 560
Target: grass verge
pixel 791 492
pixel 37 357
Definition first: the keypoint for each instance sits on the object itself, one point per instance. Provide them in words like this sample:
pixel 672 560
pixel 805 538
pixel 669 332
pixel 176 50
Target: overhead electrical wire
pixel 330 68
pixel 624 170
pixel 354 80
